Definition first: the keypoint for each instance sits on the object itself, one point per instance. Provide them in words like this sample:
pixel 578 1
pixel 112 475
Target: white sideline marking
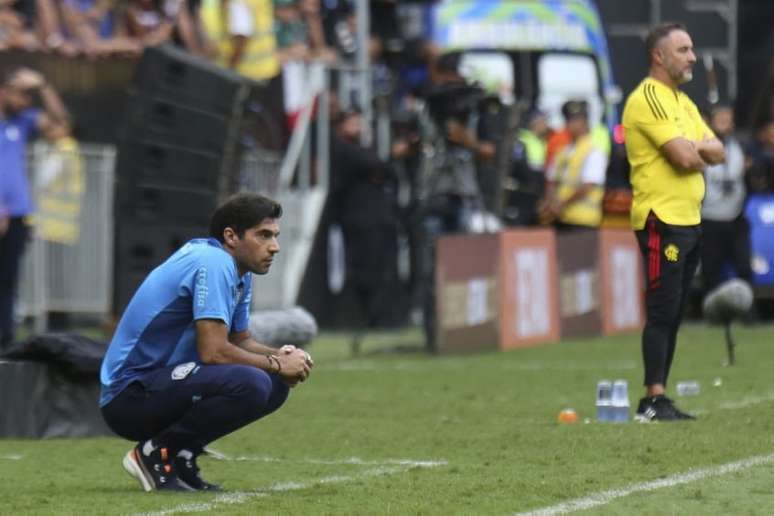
pixel 242 497
pixel 605 497
pixel 743 403
pixel 365 365
pixel 12 456
pixel 354 461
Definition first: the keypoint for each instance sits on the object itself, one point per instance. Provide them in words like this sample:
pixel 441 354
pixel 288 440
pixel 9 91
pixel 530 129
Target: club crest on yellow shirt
pixel 672 252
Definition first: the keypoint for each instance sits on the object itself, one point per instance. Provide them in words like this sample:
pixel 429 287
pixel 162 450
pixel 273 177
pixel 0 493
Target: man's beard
pixel 681 76
pixel 686 76
pixel 677 75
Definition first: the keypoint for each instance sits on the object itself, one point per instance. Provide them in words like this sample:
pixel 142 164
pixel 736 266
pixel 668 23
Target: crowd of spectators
pixel 301 29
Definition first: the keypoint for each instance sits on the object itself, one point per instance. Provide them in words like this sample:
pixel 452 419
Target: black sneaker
pixel 151 466
pixel 659 408
pixel 188 472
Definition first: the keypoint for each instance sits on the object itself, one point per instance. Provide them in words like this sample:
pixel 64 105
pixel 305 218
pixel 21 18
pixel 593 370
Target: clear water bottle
pixel 604 400
pixel 620 401
pixel 689 388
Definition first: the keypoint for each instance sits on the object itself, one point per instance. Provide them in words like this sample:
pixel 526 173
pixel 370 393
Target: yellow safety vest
pixel 259 61
pixel 601 137
pixel 569 165
pixel 59 199
pixel 535 149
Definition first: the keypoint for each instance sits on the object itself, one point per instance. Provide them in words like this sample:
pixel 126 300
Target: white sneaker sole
pixel 132 466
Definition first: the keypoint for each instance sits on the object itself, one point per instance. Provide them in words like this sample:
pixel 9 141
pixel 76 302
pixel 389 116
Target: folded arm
pixel 683 154
pixel 711 150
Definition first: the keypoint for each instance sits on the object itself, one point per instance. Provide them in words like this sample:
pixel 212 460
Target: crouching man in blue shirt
pixel 182 369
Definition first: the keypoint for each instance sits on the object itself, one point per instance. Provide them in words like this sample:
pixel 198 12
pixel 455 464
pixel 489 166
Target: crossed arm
pixel 686 154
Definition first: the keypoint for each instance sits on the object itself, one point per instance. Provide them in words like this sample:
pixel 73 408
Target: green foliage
pixel 489 422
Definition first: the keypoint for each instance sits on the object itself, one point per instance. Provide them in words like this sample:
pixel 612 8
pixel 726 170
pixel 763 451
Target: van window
pixel 492 70
pixel 562 77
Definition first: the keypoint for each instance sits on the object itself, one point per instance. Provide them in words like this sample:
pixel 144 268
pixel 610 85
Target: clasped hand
pixel 296 364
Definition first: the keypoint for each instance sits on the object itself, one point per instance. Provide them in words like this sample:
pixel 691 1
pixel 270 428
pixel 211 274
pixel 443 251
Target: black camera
pixel 455 100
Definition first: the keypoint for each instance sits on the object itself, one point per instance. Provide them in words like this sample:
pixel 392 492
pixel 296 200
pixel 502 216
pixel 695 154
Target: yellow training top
pixel 655 114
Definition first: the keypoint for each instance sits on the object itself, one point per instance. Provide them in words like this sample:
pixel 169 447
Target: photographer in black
pixel 446 186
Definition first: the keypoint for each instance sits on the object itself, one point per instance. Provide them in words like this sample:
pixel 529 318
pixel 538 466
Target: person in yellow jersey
pixel 576 177
pixel 668 146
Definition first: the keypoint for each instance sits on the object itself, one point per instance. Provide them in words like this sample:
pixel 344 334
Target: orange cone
pixel 567 416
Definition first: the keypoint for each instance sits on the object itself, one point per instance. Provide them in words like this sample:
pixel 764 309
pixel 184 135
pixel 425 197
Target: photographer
pixel 363 190
pixel 447 188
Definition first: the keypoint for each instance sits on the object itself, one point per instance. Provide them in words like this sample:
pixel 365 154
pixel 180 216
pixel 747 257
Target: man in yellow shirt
pixel 668 146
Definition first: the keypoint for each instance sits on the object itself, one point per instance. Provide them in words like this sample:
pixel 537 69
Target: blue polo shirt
pixel 199 281
pixel 15 134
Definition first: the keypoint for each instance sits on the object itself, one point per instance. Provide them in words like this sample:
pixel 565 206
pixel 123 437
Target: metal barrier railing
pixel 76 276
pixel 301 187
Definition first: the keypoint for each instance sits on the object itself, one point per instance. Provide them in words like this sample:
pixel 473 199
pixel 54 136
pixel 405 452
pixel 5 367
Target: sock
pixel 147 447
pixel 185 454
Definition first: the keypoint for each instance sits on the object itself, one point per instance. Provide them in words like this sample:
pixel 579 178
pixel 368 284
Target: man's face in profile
pixel 675 52
pixel 254 252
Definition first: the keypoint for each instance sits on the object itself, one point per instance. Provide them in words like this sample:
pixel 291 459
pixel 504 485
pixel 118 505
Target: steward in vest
pixel 533 137
pixel 60 186
pixel 576 179
pixel 243 31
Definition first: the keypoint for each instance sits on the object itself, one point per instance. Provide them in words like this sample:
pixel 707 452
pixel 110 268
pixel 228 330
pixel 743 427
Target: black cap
pixel 575 108
pixel 533 114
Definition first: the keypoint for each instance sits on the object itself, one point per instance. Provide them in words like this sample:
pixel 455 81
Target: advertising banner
pixel 622 281
pixel 467 294
pixel 579 283
pixel 528 283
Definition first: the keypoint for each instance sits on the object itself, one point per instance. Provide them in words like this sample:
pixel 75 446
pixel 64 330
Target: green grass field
pixel 404 433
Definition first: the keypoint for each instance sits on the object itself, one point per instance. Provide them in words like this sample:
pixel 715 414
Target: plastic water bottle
pixel 604 400
pixel 620 401
pixel 689 388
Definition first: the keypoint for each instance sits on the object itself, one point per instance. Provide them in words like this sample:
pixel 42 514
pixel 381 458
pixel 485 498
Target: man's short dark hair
pixel 242 212
pixel 575 108
pixel 658 33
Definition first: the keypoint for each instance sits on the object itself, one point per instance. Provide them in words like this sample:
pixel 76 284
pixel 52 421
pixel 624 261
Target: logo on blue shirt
pixel 12 133
pixel 201 287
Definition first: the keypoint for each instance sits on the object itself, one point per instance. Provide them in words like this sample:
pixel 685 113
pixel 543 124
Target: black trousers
pixel 12 245
pixel 371 258
pixel 725 242
pixel 190 412
pixel 671 256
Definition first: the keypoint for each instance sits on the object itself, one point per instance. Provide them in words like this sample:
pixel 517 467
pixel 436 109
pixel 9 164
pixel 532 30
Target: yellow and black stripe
pixel 649 90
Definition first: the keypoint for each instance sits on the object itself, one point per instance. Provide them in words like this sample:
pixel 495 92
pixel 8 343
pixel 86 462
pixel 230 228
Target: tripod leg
pixel 730 345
